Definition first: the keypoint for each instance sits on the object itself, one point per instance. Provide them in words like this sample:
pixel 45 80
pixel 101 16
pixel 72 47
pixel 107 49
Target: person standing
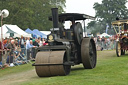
pixel 40 42
pixel 103 43
pixel 0 54
pixel 10 49
pixel 35 43
pixel 29 47
pixel 22 44
pixel 43 40
pixel 33 49
pixel 28 40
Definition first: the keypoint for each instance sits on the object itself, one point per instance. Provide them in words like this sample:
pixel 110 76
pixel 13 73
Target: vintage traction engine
pixel 121 29
pixel 66 47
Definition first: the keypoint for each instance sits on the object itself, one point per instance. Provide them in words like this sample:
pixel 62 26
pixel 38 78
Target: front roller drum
pixel 51 61
pixel 88 53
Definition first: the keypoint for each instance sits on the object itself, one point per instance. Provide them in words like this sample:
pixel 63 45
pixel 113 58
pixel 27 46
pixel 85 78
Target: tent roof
pixel 9 30
pixel 104 34
pixel 39 33
pixel 17 30
pixel 31 32
pixel 4 29
pixel 6 32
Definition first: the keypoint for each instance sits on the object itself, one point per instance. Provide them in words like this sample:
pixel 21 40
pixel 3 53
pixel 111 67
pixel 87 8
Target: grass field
pixel 110 70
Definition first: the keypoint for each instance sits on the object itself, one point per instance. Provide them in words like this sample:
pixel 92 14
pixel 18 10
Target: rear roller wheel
pixel 53 57
pixel 118 49
pixel 88 53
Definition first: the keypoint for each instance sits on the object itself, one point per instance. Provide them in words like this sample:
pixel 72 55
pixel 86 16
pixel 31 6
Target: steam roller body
pixel 66 47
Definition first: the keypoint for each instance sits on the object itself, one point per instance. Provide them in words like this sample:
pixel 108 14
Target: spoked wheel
pixel 118 49
pixel 49 59
pixel 88 53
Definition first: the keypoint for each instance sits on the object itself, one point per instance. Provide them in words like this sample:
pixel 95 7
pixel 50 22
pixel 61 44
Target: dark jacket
pixel 35 44
pixel 11 48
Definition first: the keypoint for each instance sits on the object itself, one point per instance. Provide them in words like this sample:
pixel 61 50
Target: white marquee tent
pixel 46 32
pixel 14 28
pixel 104 34
pixel 6 32
pixel 19 31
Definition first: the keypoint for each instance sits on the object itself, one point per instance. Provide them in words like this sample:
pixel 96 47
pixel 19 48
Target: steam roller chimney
pixel 55 17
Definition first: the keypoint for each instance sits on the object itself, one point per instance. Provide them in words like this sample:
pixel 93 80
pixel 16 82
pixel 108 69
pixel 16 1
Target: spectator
pixel 29 47
pixel 28 40
pixel 40 42
pixel 0 55
pixel 5 42
pixel 10 49
pixel 43 40
pixel 44 43
pixel 22 44
pixel 1 64
pixel 35 43
pixel 103 43
pixel 98 44
pixel 33 49
pixel 17 60
pixel 33 40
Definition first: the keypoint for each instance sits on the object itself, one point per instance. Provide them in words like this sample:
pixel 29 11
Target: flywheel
pixel 52 64
pixel 88 53
pixel 78 32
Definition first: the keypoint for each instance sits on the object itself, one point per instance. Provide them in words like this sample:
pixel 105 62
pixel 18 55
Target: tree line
pixel 31 14
pixel 106 12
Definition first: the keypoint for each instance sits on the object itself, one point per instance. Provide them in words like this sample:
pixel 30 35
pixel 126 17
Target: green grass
pixel 16 69
pixel 110 70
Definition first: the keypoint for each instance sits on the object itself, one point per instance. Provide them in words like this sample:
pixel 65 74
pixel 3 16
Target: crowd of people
pixel 19 50
pixel 105 43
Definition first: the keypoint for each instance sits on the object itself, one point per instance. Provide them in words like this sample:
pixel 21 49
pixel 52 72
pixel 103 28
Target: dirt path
pixel 15 79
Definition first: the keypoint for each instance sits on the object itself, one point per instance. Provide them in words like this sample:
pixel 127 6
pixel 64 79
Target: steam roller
pixel 66 47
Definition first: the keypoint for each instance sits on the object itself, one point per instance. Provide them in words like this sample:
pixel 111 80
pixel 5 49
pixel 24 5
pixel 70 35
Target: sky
pixel 82 6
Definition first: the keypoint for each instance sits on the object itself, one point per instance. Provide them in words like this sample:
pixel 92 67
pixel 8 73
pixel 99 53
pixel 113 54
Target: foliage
pixel 108 11
pixel 31 14
pixel 96 27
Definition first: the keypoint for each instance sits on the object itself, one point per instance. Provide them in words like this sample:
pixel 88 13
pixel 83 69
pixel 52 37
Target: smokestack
pixel 55 17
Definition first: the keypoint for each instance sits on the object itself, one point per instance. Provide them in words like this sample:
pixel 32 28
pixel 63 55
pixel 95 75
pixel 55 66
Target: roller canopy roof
pixel 119 22
pixel 72 16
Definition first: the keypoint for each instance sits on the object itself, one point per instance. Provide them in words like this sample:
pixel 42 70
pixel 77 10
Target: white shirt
pixel 27 42
pixel 40 43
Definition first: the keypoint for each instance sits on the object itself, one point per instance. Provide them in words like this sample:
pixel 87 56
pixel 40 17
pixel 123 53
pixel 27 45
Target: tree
pixel 31 14
pixel 108 10
pixel 96 27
